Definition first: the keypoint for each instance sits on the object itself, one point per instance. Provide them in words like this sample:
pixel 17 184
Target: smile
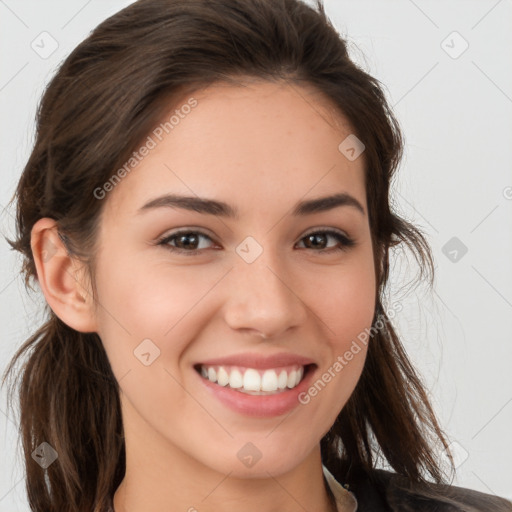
pixel 257 385
pixel 253 381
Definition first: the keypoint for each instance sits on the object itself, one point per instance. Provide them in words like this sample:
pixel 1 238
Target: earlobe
pixel 60 276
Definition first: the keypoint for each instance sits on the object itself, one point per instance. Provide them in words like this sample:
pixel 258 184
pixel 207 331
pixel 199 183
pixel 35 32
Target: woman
pixel 204 349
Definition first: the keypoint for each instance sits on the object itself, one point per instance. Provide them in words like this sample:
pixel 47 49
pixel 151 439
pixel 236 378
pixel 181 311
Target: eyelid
pixel 202 231
pixel 185 229
pixel 325 229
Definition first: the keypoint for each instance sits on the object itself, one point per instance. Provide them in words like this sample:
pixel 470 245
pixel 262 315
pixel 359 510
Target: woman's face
pixel 195 324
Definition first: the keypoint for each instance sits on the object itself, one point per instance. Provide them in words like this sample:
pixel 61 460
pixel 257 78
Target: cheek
pixel 346 307
pixel 346 304
pixel 139 301
pixel 148 317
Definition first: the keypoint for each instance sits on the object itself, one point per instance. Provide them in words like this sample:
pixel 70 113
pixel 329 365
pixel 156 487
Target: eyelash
pixel 345 241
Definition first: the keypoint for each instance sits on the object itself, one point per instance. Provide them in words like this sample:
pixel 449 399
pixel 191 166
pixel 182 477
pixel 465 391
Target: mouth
pixel 257 385
pixel 255 381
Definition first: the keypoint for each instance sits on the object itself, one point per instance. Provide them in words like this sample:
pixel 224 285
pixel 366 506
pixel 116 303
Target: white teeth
pixel 269 381
pixel 254 381
pixel 291 378
pixel 222 377
pixel 300 373
pixel 235 379
pixel 282 380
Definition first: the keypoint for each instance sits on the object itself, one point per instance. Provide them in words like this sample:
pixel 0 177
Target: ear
pixel 62 278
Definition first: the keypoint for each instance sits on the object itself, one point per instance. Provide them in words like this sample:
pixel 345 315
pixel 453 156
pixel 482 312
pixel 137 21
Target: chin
pixel 258 459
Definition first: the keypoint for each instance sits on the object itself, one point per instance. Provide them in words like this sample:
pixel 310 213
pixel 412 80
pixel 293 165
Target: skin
pixel 260 148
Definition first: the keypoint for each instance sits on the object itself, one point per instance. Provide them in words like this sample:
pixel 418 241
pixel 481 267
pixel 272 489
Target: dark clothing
pixel 385 491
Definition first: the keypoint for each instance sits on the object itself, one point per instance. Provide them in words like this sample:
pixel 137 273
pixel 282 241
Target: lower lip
pixel 259 405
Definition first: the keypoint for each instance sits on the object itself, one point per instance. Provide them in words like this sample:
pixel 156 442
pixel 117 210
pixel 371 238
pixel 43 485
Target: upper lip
pixel 259 361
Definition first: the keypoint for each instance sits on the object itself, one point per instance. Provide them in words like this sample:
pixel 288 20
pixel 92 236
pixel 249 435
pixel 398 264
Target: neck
pixel 188 486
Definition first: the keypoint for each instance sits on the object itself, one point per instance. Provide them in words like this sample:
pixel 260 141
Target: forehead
pixel 270 143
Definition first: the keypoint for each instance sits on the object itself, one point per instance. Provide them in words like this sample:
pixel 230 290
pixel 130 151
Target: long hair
pixel 102 102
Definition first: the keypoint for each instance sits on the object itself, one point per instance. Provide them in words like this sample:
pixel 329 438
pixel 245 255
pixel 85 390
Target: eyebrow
pixel 221 209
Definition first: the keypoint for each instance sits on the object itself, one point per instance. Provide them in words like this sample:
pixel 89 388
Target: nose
pixel 264 297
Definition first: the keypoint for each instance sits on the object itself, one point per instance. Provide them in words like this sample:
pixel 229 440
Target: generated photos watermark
pixel 343 360
pixel 151 142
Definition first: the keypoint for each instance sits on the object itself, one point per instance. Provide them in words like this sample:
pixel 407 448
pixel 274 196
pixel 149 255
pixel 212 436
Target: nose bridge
pixel 262 295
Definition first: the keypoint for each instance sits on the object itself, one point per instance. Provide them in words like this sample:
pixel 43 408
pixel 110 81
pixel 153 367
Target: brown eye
pixel 184 241
pixel 319 239
pixel 189 242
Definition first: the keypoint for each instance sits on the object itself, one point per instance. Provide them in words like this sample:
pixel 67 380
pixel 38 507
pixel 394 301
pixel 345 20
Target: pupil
pixel 315 237
pixel 185 236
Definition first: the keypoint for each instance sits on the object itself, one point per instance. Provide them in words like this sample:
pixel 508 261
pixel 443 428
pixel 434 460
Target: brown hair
pixel 104 99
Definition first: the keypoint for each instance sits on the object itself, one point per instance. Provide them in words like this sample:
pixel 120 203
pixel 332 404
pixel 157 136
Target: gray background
pixel 454 105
